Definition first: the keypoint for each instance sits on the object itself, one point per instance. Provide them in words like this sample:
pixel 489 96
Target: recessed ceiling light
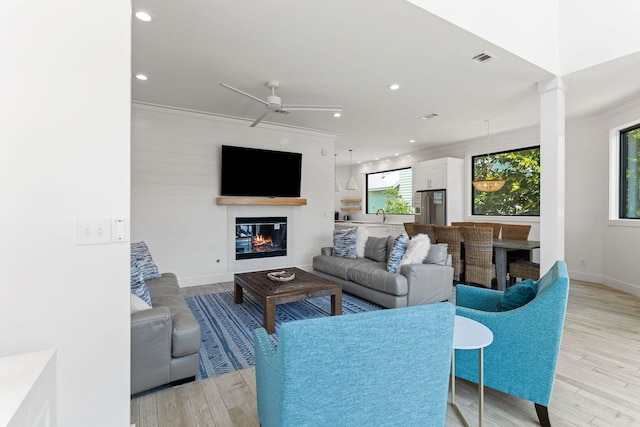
pixel 429 116
pixel 143 16
pixel 141 77
pixel 394 86
pixel 411 141
pixel 337 115
pixel 396 154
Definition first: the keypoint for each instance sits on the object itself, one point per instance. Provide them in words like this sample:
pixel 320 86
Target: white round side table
pixel 469 334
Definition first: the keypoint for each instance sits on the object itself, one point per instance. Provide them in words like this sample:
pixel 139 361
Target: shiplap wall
pixel 175 172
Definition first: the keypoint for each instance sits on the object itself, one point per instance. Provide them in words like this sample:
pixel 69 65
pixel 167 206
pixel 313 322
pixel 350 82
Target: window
pixel 391 191
pixel 630 173
pixel 520 195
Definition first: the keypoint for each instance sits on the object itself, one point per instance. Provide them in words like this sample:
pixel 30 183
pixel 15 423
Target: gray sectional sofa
pixel 367 277
pixel 165 339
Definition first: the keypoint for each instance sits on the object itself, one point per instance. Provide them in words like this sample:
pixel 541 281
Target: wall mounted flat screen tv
pixel 254 172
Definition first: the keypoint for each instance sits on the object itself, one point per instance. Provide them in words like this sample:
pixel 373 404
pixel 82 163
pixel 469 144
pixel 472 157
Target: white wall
pixel 175 180
pixel 65 108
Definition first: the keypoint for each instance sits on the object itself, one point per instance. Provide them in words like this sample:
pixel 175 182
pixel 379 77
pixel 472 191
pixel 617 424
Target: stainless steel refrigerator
pixel 431 207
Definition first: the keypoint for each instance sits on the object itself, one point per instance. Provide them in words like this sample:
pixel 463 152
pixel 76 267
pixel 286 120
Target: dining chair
pixel 516 231
pixel 427 229
pixel 478 252
pixel 453 238
pixel 495 226
pixel 523 269
pixel 463 224
pixel 408 227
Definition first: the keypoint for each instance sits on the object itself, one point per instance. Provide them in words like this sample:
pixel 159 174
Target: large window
pixel 520 195
pixel 630 173
pixel 391 191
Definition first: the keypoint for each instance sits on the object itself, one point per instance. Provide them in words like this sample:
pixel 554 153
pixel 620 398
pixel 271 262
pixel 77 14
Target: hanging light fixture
pixel 335 172
pixel 351 183
pixel 488 184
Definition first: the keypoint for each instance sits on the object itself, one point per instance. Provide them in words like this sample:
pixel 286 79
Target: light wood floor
pixel 597 379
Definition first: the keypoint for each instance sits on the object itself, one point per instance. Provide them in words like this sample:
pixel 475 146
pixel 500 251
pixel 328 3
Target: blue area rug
pixel 227 328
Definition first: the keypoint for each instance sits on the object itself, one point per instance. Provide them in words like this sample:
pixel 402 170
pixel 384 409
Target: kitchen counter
pixel 375 228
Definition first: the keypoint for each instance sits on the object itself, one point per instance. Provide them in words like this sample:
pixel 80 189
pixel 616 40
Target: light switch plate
pixel 94 231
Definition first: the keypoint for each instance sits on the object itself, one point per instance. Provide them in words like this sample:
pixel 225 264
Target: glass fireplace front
pixel 260 237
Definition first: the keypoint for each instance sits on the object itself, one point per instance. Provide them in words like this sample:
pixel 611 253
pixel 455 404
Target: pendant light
pixel 351 183
pixel 335 172
pixel 488 185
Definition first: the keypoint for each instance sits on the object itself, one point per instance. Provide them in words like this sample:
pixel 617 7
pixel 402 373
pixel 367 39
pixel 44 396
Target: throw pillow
pixel 437 254
pixel 137 304
pixel 376 249
pixel 417 250
pixel 140 252
pixel 397 252
pixel 344 243
pixel 361 241
pixel 138 286
pixel 517 295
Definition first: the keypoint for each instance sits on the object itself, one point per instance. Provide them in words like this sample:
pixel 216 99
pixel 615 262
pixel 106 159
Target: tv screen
pixel 260 173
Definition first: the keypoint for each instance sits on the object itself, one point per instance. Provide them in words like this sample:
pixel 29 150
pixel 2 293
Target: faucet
pixel 384 216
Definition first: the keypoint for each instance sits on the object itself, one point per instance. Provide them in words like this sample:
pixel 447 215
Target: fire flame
pixel 259 241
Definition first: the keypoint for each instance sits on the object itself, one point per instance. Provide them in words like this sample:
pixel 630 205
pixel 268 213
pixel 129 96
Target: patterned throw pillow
pixel 138 286
pixel 397 252
pixel 344 243
pixel 140 252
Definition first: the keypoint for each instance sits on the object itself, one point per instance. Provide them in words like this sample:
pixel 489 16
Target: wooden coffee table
pixel 270 293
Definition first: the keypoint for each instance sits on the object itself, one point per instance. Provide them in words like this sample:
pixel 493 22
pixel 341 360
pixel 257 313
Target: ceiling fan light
pixel 488 185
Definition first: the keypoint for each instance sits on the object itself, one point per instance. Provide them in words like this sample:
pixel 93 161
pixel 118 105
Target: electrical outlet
pixel 583 263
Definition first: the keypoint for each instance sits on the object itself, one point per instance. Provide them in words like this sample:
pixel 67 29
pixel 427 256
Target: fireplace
pixel 260 237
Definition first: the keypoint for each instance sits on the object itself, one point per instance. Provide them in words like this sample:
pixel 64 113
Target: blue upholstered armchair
pixel 381 368
pixel 522 358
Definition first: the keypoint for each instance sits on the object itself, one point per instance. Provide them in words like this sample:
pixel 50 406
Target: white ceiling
pixel 336 52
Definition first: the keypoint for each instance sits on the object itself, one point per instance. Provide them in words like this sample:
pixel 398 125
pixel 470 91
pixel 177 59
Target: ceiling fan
pixel 273 103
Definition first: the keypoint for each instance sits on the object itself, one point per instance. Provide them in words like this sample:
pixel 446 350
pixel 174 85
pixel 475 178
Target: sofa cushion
pixel 517 295
pixel 185 332
pixel 334 266
pixel 344 243
pixel 376 249
pixel 437 254
pixel 138 285
pixel 141 253
pixel 397 252
pixel 374 275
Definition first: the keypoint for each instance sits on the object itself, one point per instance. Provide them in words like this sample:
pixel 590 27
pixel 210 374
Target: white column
pixel 552 169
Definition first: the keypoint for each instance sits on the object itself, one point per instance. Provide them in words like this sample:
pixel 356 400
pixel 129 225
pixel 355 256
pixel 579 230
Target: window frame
pixel 615 171
pixel 366 190
pixel 471 189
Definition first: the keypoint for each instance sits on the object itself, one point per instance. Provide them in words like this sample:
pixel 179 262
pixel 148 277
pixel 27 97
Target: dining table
pixel 500 249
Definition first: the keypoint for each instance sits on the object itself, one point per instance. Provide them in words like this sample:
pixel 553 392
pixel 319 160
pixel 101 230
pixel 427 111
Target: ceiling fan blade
pixel 259 119
pixel 244 93
pixel 331 108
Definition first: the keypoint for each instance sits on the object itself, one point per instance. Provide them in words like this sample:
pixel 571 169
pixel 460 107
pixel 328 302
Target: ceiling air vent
pixel 482 57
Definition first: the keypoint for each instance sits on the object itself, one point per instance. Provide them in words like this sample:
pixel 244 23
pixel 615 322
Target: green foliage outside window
pixel 520 195
pixel 390 190
pixel 630 173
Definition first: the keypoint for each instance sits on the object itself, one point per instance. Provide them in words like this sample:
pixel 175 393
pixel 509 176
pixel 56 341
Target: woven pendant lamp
pixel 488 185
